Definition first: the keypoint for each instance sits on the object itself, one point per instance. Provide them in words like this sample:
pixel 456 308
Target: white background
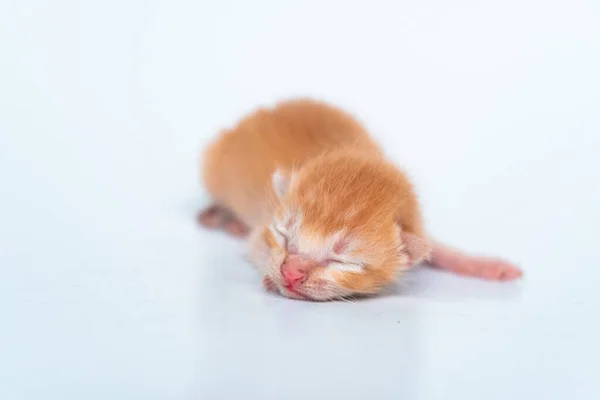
pixel 108 289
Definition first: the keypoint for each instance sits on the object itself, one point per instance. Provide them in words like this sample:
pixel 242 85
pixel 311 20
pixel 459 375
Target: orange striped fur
pixel 307 179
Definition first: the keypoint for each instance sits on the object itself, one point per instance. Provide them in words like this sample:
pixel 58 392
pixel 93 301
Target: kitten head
pixel 343 224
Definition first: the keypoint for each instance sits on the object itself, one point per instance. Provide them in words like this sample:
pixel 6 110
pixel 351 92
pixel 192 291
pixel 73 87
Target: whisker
pixel 347 300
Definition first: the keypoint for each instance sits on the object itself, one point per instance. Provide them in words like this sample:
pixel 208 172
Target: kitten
pixel 327 215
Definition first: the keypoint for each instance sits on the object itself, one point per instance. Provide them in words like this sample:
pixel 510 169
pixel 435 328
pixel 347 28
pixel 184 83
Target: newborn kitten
pixel 327 215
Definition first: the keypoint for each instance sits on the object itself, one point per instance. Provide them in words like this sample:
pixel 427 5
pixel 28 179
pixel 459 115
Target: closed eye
pixel 342 259
pixel 344 266
pixel 280 232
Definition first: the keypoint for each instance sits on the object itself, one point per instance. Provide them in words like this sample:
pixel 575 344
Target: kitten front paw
pixel 269 285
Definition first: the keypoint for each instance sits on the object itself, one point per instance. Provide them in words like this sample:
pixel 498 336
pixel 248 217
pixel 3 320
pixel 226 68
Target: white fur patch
pixel 258 251
pixel 347 267
pixel 317 247
pixel 286 230
pixel 281 183
pixel 278 233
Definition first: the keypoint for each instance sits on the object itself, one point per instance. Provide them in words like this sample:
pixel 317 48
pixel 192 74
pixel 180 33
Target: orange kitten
pixel 328 216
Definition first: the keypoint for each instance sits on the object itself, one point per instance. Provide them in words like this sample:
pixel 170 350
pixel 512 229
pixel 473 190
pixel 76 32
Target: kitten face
pixel 331 236
pixel 333 265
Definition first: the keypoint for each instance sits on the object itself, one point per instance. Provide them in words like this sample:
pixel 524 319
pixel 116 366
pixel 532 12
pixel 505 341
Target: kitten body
pixel 327 215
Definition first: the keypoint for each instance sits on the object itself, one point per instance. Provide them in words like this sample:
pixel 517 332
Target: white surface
pixel 108 290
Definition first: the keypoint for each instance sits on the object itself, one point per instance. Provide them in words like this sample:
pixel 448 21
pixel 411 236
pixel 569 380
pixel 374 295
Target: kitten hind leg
pixel 218 217
pixel 211 217
pixel 481 267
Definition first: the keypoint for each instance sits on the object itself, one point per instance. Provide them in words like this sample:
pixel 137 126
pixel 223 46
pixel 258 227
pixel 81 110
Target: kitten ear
pixel 281 182
pixel 418 248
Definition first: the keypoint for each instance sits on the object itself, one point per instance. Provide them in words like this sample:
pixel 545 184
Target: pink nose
pixel 293 276
pixel 295 270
